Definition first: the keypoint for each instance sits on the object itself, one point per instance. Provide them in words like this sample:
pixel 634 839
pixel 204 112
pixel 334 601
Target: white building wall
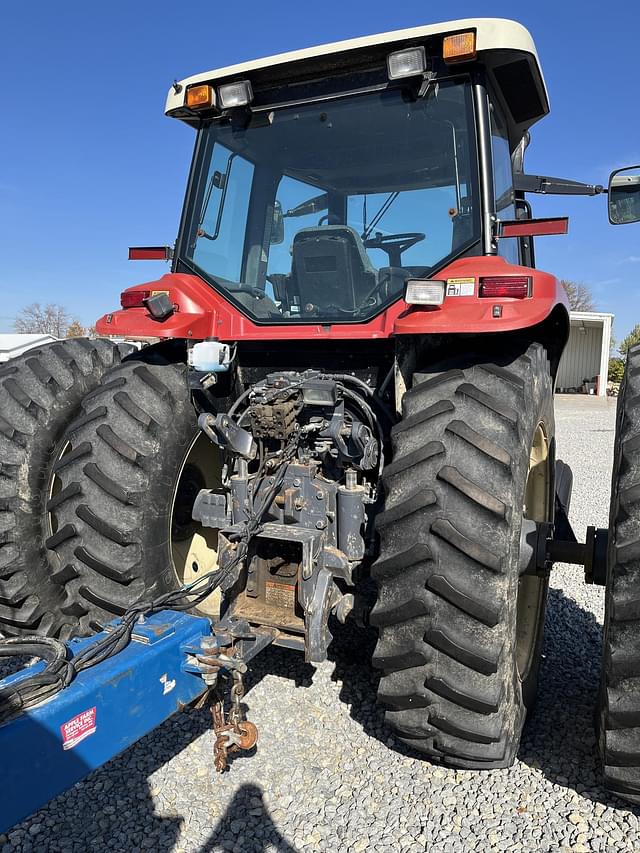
pixel 581 357
pixel 587 351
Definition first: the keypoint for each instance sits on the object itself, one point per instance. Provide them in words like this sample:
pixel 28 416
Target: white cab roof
pixel 491 34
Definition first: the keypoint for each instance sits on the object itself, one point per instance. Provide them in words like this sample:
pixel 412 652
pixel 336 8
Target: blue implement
pixel 102 712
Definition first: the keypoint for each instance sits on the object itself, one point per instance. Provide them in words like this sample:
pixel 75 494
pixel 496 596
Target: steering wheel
pixel 394 244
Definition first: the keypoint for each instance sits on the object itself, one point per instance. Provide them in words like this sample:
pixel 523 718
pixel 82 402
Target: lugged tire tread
pixel 443 579
pixel 447 531
pixel 479 495
pixel 416 501
pixel 618 718
pixel 121 553
pixel 40 393
pixel 489 402
pixel 480 442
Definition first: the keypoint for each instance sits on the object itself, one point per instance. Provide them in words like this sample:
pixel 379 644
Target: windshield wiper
pixel 383 209
pixel 312 205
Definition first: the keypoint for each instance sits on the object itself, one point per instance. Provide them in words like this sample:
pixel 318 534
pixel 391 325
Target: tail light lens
pixel 134 298
pixel 500 287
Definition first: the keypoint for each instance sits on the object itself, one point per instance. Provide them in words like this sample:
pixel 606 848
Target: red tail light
pixel 134 298
pixel 499 287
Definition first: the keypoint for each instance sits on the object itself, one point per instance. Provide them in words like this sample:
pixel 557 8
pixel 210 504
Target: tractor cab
pixel 324 179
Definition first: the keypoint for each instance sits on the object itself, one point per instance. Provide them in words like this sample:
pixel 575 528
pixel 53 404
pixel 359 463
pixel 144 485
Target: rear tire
pixel 128 487
pixel 460 631
pixel 40 393
pixel 618 718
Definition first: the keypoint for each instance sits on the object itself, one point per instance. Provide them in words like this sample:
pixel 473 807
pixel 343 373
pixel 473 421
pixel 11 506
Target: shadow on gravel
pixel 559 737
pixel 113 808
pixel 248 824
pixel 351 652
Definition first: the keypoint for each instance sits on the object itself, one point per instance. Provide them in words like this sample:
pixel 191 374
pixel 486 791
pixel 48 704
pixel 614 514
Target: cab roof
pixel 505 47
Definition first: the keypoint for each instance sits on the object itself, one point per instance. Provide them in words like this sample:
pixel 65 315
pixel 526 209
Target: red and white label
pixel 78 728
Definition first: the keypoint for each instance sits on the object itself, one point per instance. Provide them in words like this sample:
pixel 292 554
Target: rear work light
pixel 239 94
pixel 459 48
pixel 406 63
pixel 134 298
pixel 421 292
pixel 500 287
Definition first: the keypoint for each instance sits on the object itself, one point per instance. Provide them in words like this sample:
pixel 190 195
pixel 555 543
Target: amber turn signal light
pixel 459 48
pixel 198 97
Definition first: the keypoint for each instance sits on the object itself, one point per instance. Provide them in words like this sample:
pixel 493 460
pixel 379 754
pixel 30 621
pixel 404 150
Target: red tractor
pixel 349 374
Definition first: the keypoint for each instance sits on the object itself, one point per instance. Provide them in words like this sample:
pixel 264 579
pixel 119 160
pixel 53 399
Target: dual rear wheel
pixel 100 463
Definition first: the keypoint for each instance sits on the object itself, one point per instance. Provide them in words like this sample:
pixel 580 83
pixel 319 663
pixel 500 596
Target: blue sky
pixel 90 164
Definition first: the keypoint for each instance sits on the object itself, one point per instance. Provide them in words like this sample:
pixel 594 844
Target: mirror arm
pixel 554 186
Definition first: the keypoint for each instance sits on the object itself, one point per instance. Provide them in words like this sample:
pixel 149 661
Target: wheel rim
pixel 194 548
pixel 531 589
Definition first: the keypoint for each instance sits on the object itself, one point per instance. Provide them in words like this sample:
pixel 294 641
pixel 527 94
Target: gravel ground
pixel 326 774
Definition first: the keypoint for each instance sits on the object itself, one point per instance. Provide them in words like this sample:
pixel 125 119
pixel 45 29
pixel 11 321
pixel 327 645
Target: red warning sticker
pixel 78 728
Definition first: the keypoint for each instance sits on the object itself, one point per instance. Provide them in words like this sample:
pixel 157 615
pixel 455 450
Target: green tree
pixel 616 369
pixel 631 340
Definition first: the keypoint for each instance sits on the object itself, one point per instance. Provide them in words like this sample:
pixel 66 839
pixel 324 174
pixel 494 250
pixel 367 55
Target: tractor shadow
pixel 113 807
pixel 247 823
pixel 559 737
pixel 119 800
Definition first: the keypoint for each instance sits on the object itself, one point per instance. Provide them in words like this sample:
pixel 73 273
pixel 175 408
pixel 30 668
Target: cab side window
pixel 503 184
pixel 220 231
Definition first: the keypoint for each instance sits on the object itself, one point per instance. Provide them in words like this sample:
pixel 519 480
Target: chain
pixel 234 733
pixel 236 715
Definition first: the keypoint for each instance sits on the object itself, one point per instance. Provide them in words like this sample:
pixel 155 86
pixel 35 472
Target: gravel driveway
pixel 326 775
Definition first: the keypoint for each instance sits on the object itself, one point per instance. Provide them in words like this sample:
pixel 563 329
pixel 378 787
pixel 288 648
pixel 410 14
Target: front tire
pixel 460 630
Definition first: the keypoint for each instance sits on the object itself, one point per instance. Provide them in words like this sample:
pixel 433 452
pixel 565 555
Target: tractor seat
pixel 331 269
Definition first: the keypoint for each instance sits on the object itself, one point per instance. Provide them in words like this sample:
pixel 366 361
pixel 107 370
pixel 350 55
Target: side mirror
pixel 277 227
pixel 624 196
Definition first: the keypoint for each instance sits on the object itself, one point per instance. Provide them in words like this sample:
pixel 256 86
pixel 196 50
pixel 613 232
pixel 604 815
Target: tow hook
pixel 234 733
pixel 221 659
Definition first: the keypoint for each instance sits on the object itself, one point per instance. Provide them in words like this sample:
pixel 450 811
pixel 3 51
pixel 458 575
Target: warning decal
pixel 78 728
pixel 461 286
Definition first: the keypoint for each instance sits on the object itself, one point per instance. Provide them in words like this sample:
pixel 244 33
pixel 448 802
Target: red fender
pixel 201 312
pixel 473 314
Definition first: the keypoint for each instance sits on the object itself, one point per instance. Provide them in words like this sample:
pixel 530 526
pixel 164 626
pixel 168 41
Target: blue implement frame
pixel 103 711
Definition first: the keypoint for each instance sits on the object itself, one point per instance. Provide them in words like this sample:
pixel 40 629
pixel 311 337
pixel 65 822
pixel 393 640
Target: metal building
pixel 13 345
pixel 586 356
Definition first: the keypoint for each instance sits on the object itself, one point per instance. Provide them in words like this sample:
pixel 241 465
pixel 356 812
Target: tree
pixel 76 330
pixel 49 319
pixel 631 340
pixel 616 369
pixel 580 297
